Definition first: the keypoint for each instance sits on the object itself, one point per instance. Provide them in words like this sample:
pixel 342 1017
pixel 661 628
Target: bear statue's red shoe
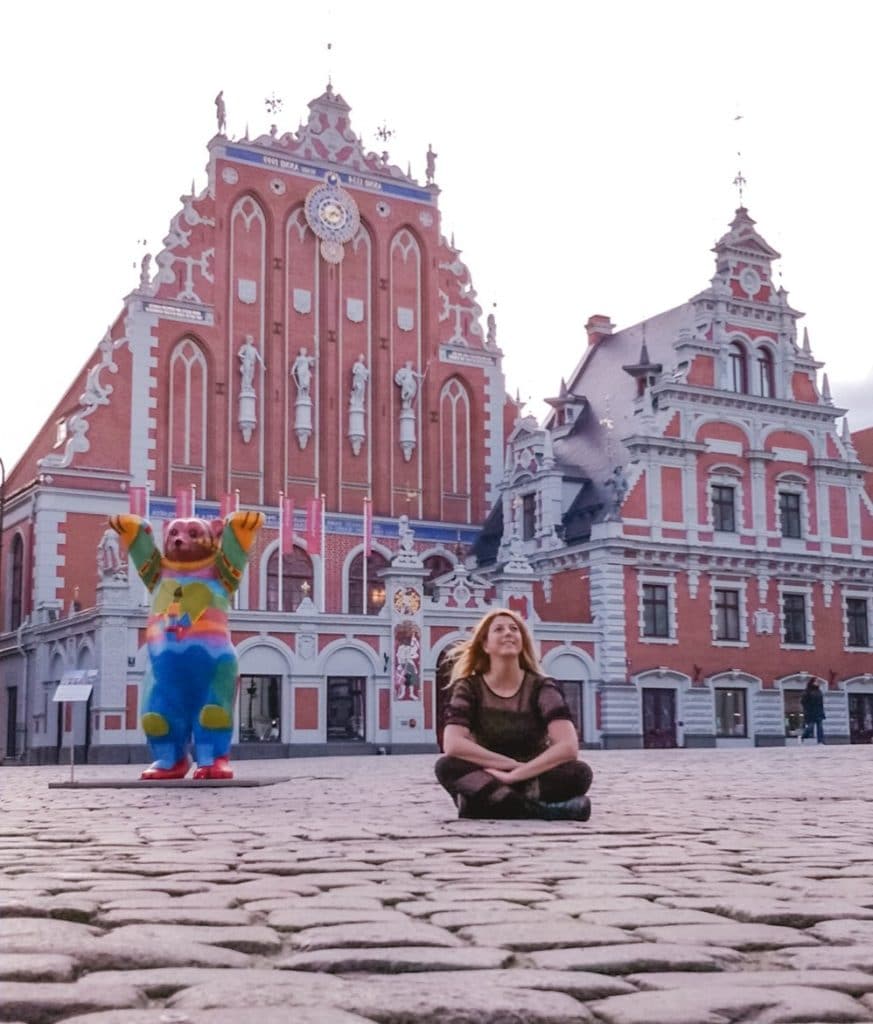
pixel 219 769
pixel 178 771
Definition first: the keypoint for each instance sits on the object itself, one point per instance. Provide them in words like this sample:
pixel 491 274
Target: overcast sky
pixel 586 157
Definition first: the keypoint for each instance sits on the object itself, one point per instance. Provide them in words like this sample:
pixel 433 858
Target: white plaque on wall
pixel 355 310
pixel 247 291
pixel 405 318
pixel 302 300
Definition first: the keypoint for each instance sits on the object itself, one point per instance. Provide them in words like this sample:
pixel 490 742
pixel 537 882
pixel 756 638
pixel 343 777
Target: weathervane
pixel 740 181
pixel 273 103
pixel 384 133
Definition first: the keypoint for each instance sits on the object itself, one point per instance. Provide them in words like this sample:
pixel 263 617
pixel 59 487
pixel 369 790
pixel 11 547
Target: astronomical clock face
pixel 333 216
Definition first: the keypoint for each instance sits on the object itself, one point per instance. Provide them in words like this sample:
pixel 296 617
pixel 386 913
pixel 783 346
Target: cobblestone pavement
pixel 708 887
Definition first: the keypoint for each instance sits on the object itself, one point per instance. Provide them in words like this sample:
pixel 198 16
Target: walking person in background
pixel 812 703
pixel 511 749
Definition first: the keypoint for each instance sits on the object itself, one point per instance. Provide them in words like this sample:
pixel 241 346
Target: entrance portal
pixel 345 708
pixel 659 717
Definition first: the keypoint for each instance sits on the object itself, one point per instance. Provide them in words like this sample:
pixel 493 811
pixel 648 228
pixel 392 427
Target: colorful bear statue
pixel 193 667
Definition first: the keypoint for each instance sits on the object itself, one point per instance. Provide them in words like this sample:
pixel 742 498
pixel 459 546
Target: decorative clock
pixel 333 216
pixel 750 281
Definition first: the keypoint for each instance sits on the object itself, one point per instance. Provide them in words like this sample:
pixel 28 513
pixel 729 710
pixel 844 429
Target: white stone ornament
pixel 405 318
pixel 247 291
pixel 302 300
pixel 230 176
pixel 355 310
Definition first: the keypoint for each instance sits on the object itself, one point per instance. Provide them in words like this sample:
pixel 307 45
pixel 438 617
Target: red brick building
pixel 688 532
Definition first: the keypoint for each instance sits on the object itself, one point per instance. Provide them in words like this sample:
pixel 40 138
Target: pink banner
pixel 313 526
pixel 287 513
pixel 368 527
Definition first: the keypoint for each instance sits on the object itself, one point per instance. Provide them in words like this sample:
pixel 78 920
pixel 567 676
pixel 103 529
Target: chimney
pixel 598 328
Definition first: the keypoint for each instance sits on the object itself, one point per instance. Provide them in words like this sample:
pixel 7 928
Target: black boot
pixel 577 808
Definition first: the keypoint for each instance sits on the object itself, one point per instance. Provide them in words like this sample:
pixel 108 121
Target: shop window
pixel 730 712
pixel 259 709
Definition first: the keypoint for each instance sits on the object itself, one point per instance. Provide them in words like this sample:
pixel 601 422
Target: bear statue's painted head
pixel 188 541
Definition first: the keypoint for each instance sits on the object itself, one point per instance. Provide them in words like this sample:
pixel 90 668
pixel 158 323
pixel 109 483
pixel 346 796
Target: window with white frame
pixel 657 609
pixel 856 612
pixel 738 376
pixel 796 621
pixel 724 517
pixel 725 499
pixel 792 507
pixel 789 514
pixel 728 612
pixel 765 381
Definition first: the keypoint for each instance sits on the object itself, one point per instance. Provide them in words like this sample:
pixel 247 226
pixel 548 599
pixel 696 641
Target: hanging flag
pixel 368 527
pixel 313 525
pixel 287 528
pixel 185 503
pixel 138 501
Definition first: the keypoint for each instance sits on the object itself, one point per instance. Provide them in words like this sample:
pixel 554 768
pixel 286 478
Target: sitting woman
pixel 511 749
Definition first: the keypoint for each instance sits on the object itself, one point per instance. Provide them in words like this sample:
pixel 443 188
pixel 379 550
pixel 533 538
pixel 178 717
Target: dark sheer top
pixel 516 726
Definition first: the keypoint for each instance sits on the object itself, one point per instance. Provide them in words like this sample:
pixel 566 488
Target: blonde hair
pixel 469 656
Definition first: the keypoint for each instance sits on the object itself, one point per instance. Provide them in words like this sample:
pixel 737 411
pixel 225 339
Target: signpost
pixel 75 688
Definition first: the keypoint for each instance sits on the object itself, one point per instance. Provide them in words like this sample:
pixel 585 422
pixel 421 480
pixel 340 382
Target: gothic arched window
pixel 296 580
pixel 187 432
pixel 375 584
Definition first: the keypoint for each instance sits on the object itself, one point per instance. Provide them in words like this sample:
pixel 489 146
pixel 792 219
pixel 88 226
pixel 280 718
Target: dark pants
pixel 819 731
pixel 485 797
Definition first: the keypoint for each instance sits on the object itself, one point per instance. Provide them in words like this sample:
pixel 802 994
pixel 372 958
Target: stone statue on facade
pixel 405 533
pixel 360 376
pixel 145 273
pixel 109 562
pixel 491 335
pixel 220 112
pixel 618 484
pixel 248 357
pixel 301 371
pixel 407 380
pixel 430 157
